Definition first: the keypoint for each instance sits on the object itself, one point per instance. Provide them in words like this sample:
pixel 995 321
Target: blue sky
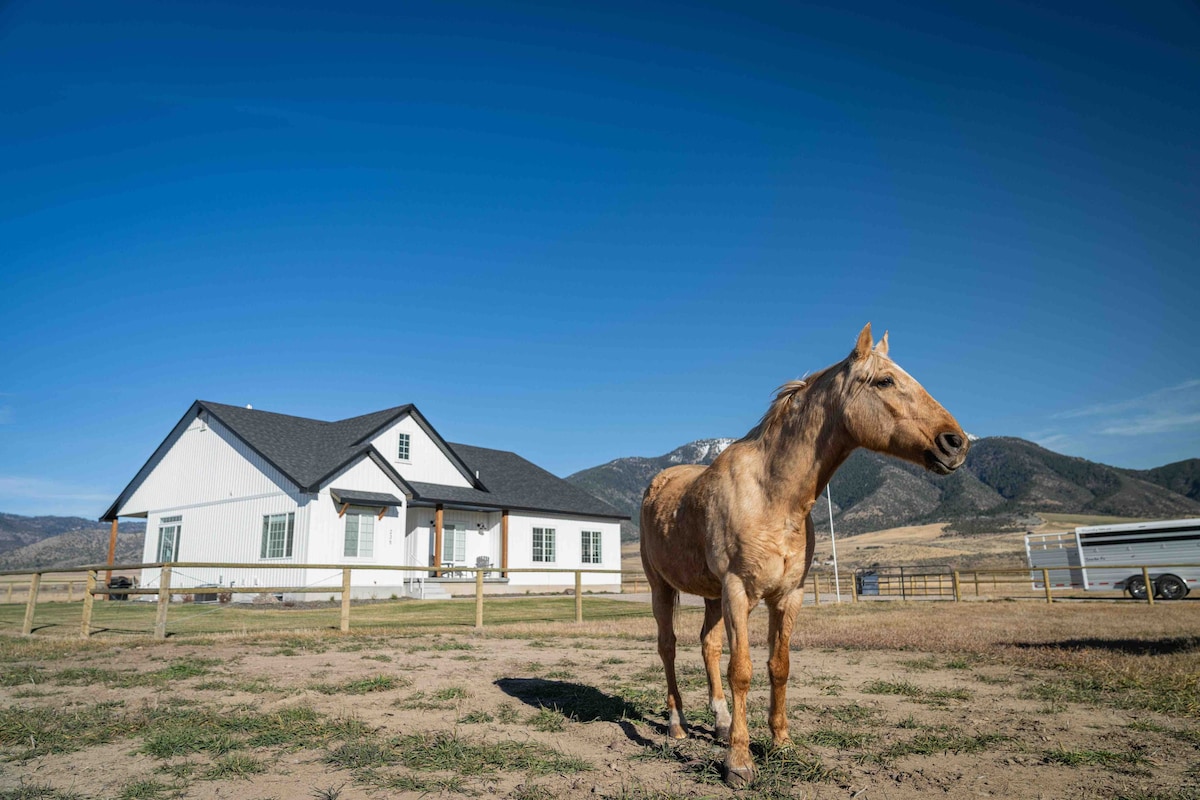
pixel 586 232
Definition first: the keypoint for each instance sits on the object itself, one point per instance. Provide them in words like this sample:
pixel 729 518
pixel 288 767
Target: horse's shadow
pixel 580 702
pixel 1134 647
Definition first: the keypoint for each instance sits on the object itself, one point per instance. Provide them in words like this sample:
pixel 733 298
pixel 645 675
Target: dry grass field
pixel 1010 699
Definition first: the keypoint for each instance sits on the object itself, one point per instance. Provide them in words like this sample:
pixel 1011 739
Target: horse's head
pixel 886 410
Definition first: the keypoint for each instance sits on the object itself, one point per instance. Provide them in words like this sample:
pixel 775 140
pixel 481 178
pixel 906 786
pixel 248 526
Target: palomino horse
pixel 739 531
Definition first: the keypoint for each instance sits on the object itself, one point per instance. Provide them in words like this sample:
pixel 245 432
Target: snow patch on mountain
pixel 701 451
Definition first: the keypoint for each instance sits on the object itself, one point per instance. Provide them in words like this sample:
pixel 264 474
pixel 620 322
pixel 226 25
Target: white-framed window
pixel 278 534
pixel 360 535
pixel 543 544
pixel 589 546
pixel 404 447
pixel 454 544
pixel 168 538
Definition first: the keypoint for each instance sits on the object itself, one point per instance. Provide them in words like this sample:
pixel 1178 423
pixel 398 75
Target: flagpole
pixel 837 581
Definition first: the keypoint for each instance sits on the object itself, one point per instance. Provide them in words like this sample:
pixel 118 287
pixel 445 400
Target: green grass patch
pixel 452 753
pixel 34 791
pixel 928 743
pixel 147 790
pixel 840 739
pixel 375 683
pixel 236 765
pixel 137 619
pixel 1165 694
pixel 902 688
pixel 1099 758
pixel 914 692
pixel 852 714
pixel 548 720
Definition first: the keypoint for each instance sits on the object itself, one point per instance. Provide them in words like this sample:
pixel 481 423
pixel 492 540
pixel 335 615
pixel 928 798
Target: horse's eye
pixel 884 383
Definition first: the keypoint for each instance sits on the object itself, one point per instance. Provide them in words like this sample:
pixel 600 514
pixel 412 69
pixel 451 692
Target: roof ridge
pixel 393 410
pixel 212 404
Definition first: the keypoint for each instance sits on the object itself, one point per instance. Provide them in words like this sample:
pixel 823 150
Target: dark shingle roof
pixel 513 482
pixel 364 498
pixel 309 452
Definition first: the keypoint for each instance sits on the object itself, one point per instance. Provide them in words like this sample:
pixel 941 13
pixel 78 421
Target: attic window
pixel 402 449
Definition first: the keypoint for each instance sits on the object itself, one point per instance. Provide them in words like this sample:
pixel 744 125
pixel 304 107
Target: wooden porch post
pixel 112 552
pixel 504 543
pixel 437 540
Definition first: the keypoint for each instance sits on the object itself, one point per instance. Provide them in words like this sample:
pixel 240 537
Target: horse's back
pixel 673 547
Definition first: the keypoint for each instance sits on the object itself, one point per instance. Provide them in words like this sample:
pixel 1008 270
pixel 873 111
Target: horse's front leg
pixel 739 766
pixel 782 617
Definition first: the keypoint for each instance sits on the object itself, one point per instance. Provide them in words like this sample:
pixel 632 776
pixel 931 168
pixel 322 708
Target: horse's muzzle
pixel 948 454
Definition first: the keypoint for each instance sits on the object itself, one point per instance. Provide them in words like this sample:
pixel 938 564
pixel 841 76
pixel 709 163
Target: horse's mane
pixel 787 397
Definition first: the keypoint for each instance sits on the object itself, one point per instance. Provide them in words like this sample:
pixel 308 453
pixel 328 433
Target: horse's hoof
pixel 722 733
pixel 783 742
pixel 677 732
pixel 739 777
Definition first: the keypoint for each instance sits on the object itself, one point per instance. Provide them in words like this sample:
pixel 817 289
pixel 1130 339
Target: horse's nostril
pixel 951 443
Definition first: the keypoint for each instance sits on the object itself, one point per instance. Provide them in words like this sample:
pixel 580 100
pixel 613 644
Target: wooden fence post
pixel 164 600
pixel 85 626
pixel 10 591
pixel 816 589
pixel 1149 585
pixel 854 587
pixel 345 599
pixel 478 598
pixel 1046 585
pixel 957 587
pixel 35 582
pixel 578 596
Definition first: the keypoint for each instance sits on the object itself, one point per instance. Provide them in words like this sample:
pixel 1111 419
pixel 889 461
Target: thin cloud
pixel 35 488
pixel 1172 395
pixel 1050 439
pixel 1165 422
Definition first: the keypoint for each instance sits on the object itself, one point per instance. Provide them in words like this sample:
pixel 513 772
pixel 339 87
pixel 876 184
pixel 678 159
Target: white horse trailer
pixel 1108 557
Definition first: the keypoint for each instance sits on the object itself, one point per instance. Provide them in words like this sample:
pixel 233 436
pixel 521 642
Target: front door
pixel 454 545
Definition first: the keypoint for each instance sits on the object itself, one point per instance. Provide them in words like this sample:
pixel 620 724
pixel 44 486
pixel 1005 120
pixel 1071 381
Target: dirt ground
pixel 867 723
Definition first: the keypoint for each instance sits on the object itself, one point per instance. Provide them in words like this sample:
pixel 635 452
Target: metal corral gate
pixel 936 580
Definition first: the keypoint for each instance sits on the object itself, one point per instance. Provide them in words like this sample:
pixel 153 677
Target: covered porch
pixel 455 540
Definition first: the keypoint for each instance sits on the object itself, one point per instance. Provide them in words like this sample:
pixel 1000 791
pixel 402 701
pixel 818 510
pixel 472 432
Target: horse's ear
pixel 882 347
pixel 862 348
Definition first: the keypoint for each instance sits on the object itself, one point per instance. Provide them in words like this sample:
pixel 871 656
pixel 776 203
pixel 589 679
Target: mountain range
pixel 48 542
pixel 1004 483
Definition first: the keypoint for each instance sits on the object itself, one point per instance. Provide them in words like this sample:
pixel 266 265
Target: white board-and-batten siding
pixel 426 463
pixel 221 490
pixel 568 541
pixel 327 533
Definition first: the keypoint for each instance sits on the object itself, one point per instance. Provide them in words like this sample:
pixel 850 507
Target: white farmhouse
pixel 237 485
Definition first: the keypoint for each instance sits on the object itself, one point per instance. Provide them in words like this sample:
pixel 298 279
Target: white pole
pixel 837 581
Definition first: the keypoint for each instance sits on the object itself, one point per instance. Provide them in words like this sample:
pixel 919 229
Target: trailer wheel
pixel 1171 587
pixel 1136 586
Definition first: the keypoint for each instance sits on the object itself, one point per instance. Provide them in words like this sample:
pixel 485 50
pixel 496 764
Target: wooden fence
pixel 935 585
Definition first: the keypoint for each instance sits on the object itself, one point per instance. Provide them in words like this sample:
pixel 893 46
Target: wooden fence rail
pixel 819 580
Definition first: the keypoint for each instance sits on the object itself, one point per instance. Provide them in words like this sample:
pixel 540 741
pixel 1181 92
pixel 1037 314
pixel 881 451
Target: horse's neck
pixel 803 454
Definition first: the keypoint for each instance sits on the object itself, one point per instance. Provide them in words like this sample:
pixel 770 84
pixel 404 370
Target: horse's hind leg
pixel 664 599
pixel 711 636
